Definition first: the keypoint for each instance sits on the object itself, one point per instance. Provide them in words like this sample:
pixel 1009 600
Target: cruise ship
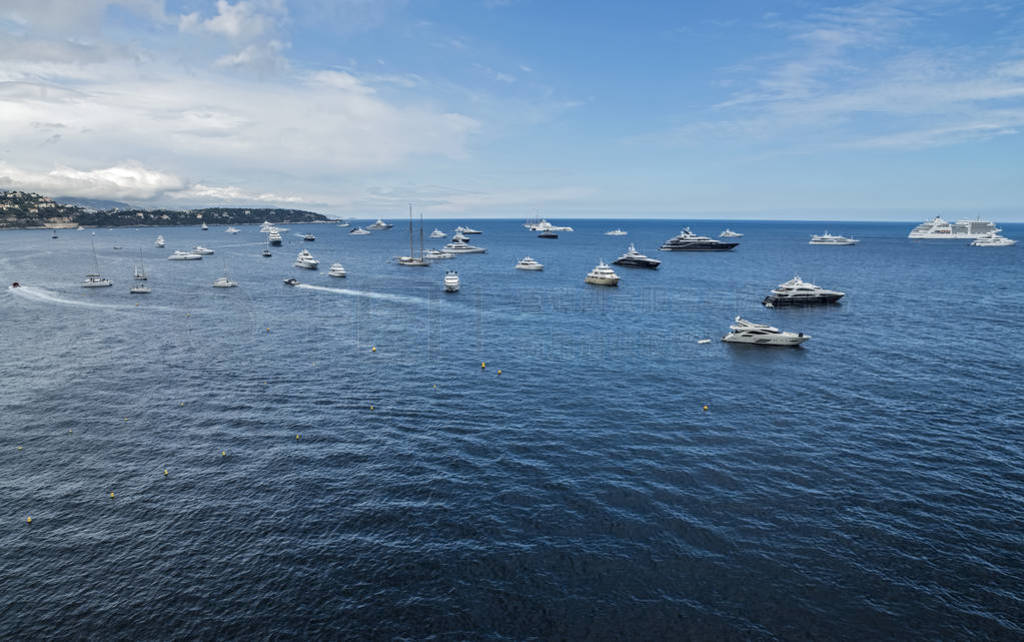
pixel 687 241
pixel 937 228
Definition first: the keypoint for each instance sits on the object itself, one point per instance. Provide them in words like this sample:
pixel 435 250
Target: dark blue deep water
pixel 869 485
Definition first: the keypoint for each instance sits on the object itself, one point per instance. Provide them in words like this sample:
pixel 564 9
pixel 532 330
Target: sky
pixel 880 110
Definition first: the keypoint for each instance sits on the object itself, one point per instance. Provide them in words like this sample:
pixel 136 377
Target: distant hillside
pixel 27 210
pixel 93 203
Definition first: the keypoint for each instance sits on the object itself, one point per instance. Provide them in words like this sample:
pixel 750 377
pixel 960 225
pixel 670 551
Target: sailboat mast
pixel 95 259
pixel 421 235
pixel 410 230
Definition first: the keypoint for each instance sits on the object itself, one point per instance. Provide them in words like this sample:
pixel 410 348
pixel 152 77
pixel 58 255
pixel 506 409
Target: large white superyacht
pixel 938 228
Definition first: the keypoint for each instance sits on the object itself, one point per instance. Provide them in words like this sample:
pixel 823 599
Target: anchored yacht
pixel 266 227
pixel 232 230
pixel 308 237
pixel 798 292
pixel 460 245
pixel 544 226
pixel 337 271
pixel 602 275
pixel 687 241
pixel 633 258
pixel 159 241
pixel 743 331
pixel 358 231
pixel 451 281
pixel 729 234
pixel 93 279
pixel 306 261
pixel 274 236
pixel 831 239
pixel 992 239
pixel 526 263
pixel 199 249
pixel 437 255
pixel 437 234
pixel 937 228
pixel 203 227
pixel 224 282
pixel 379 225
pixel 184 256
pixel 616 232
pixel 462 229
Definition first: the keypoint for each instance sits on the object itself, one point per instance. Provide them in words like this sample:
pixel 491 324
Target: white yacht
pixel 633 258
pixel 308 237
pixel 412 260
pixel 831 239
pixel 93 279
pixel 544 226
pixel 199 249
pixel 937 228
pixel 274 236
pixel 437 255
pixel 379 225
pixel 743 331
pixel 729 234
pixel 437 234
pixel 358 231
pixel 159 241
pixel 232 230
pixel 224 282
pixel 184 256
pixel 526 263
pixel 306 261
pixel 266 227
pixel 460 245
pixel 203 227
pixel 462 229
pixel 337 271
pixel 616 232
pixel 602 275
pixel 796 291
pixel 451 281
pixel 343 224
pixel 992 239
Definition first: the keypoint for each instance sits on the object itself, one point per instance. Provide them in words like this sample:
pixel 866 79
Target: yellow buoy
pixel 499 370
pixel 296 437
pixel 111 495
pixel 29 520
pixel 483 365
pixel 165 472
pixel 223 453
pixel 126 418
pixel 69 431
pixel 19 447
pixel 371 407
pixel 268 329
pixel 373 349
pixel 705 408
pixel 181 403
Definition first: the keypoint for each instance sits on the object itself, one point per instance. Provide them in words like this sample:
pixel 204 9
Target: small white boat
pixel 199 249
pixel 274 236
pixel 159 241
pixel 729 234
pixel 831 239
pixel 437 255
pixel 379 225
pixel 337 271
pixel 266 227
pixel 140 288
pixel 203 227
pixel 602 275
pixel 308 237
pixel 358 231
pixel 184 256
pixel 96 281
pixel 343 224
pixel 232 230
pixel 992 239
pixel 526 263
pixel 616 232
pixel 451 281
pixel 224 282
pixel 743 331
pixel 460 245
pixel 462 229
pixel 306 261
pixel 437 234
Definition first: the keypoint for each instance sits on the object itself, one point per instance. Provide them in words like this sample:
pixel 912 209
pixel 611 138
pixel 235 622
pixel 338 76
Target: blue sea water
pixel 868 485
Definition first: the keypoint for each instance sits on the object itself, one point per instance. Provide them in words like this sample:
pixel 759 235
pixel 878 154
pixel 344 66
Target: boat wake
pixel 46 296
pixel 395 298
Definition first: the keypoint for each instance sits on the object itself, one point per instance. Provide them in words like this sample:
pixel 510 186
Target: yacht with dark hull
pixel 633 258
pixel 797 292
pixel 687 241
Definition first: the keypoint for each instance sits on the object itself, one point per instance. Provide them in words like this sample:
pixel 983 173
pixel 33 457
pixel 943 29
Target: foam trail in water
pixel 396 298
pixel 45 296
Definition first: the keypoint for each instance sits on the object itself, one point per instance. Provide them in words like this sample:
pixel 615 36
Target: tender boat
pixel 451 281
pixel 203 227
pixel 729 234
pixel 633 258
pixel 358 231
pixel 274 236
pixel 437 234
pixel 159 241
pixel 199 249
pixel 602 275
pixel 616 232
pixel 831 239
pixel 466 230
pixel 337 271
pixel 548 234
pixel 232 230
pixel 743 331
pixel 306 261
pixel 460 245
pixel 992 239
pixel 687 241
pixel 437 255
pixel 184 256
pixel 224 282
pixel 937 228
pixel 308 237
pixel 292 282
pixel 526 263
pixel 379 225
pixel 799 292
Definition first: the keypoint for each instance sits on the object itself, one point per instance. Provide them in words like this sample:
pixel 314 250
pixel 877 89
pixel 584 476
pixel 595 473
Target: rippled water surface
pixel 869 485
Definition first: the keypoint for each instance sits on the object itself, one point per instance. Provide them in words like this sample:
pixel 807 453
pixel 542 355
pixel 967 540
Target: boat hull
pixel 597 280
pixel 776 341
pixel 698 247
pixel 785 301
pixel 652 264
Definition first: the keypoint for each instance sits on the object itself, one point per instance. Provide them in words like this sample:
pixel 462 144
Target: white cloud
pixel 124 181
pixel 240 21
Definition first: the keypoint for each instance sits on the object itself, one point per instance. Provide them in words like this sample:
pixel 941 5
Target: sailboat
pixel 224 281
pixel 93 279
pixel 266 250
pixel 140 275
pixel 414 261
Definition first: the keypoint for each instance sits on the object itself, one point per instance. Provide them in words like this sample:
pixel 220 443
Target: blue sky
pixel 877 110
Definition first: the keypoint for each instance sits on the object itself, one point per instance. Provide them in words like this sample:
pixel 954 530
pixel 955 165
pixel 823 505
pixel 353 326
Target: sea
pixel 531 457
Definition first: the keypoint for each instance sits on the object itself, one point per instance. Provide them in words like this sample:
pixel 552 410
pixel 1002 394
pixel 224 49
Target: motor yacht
pixel 687 241
pixel 274 236
pixel 437 234
pixel 306 261
pixel 548 234
pixel 199 249
pixel 602 275
pixel 831 239
pixel 633 258
pixel 94 280
pixel 526 263
pixel 358 231
pixel 992 239
pixel 308 237
pixel 743 331
pixel 232 230
pixel 798 292
pixel 460 245
pixel 343 224
pixel 616 232
pixel 159 241
pixel 266 227
pixel 292 282
pixel 451 281
pixel 437 255
pixel 379 225
pixel 224 282
pixel 729 234
pixel 544 226
pixel 184 256
pixel 937 228
pixel 462 229
pixel 337 271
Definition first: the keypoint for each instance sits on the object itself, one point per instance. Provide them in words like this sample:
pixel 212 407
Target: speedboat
pixel 306 261
pixel 184 256
pixel 460 245
pixel 729 234
pixel 743 331
pixel 203 227
pixel 94 280
pixel 232 230
pixel 358 231
pixel 831 239
pixel 199 249
pixel 308 237
pixel 687 241
pixel 633 258
pixel 379 225
pixel 526 263
pixel 291 282
pixel 224 282
pixel 159 241
pixel 602 275
pixel 548 234
pixel 274 236
pixel 992 239
pixel 544 226
pixel 437 255
pixel 937 228
pixel 337 270
pixel 616 232
pixel 799 292
pixel 437 234
pixel 451 281
pixel 462 229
